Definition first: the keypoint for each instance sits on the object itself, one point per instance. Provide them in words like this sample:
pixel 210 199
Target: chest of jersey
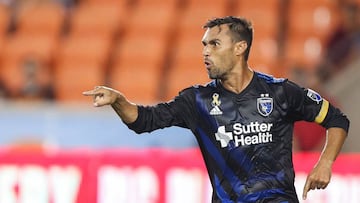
pixel 243 120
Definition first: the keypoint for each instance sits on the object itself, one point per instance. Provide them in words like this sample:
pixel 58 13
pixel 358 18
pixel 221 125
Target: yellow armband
pixel 323 112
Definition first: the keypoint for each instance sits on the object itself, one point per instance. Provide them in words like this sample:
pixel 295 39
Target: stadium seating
pixel 36 33
pixel 101 20
pixel 122 42
pixel 16 50
pixel 140 54
pixel 4 25
pixel 46 19
pixel 153 17
pixel 4 22
pixel 108 2
pixel 265 17
pixel 187 67
pixel 83 57
pixel 316 17
pixel 71 78
pixel 308 26
pixel 80 65
pixel 137 67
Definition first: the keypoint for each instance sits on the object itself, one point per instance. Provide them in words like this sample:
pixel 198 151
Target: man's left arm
pixel 320 175
pixel 308 105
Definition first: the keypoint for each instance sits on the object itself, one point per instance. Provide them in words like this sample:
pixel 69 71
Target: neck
pixel 238 81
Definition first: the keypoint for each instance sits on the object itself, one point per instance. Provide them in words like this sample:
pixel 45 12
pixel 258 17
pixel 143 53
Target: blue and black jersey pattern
pixel 246 138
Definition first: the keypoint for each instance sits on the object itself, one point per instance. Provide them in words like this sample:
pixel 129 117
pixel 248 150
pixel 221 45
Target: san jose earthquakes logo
pixel 265 104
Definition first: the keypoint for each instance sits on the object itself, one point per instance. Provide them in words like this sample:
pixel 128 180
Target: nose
pixel 206 51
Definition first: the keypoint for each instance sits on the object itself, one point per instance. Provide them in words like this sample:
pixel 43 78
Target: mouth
pixel 207 63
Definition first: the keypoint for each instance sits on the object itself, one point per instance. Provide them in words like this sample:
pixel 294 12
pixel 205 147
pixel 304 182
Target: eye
pixel 215 43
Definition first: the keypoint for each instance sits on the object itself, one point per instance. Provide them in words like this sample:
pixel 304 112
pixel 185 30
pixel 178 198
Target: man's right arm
pixel 127 111
pixel 147 118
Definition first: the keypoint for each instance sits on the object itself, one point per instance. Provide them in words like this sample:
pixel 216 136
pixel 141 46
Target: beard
pixel 212 75
pixel 215 73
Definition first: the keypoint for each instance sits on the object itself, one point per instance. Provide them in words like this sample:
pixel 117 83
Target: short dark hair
pixel 240 29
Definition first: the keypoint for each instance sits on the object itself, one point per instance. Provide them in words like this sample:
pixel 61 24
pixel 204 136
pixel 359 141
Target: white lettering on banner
pixel 65 183
pixel 127 184
pixel 37 184
pixel 33 185
pixel 342 188
pixel 8 182
pixel 185 185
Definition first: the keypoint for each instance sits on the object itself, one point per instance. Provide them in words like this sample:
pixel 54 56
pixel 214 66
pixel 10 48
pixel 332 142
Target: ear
pixel 240 47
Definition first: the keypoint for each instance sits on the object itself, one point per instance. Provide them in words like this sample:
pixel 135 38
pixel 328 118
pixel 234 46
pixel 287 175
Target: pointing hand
pixel 318 178
pixel 103 95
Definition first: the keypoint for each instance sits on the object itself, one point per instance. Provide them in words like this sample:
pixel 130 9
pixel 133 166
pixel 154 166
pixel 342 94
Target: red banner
pixel 146 176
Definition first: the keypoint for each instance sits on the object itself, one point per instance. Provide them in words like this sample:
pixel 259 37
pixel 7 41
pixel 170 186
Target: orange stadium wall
pixel 146 176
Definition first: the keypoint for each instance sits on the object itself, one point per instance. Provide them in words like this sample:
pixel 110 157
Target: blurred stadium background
pixel 53 50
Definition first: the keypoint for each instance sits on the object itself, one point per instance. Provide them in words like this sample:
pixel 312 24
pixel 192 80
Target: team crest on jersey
pixel 265 105
pixel 314 96
pixel 216 105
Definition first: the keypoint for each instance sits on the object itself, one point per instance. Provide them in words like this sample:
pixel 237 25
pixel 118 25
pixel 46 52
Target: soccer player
pixel 243 120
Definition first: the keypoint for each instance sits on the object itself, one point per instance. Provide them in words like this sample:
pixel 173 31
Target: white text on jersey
pixel 251 134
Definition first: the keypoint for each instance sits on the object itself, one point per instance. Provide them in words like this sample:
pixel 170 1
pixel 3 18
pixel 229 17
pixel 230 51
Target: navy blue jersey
pixel 246 138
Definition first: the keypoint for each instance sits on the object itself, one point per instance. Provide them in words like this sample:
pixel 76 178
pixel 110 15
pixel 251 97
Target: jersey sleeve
pixel 177 112
pixel 306 104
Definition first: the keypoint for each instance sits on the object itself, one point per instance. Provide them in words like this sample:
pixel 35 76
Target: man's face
pixel 218 52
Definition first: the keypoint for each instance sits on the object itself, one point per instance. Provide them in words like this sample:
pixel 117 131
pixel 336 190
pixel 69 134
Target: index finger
pixel 90 92
pixel 306 189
